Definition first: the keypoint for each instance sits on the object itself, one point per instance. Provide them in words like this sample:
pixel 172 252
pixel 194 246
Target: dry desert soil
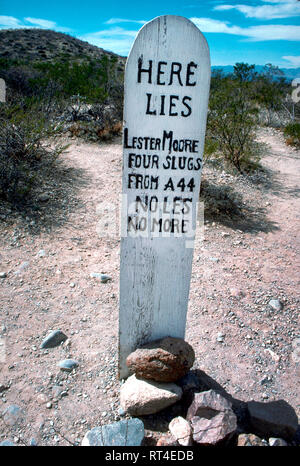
pixel 239 265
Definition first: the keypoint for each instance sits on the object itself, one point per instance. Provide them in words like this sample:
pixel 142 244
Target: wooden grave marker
pixel 167 80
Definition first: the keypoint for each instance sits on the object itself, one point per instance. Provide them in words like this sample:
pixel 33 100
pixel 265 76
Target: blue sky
pixel 259 31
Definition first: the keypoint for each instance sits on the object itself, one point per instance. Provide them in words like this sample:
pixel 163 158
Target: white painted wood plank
pixel 155 271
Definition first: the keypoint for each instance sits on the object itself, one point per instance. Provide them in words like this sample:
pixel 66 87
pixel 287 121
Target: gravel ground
pixel 48 254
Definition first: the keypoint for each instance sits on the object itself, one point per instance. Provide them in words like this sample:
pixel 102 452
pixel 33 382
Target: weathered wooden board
pixel 167 81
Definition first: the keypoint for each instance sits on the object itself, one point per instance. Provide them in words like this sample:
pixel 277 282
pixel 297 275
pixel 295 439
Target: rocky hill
pixel 46 45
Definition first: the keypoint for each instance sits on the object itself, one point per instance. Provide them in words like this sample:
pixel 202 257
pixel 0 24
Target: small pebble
pixel 277 442
pixel 105 278
pixel 275 304
pixel 220 337
pixel 68 365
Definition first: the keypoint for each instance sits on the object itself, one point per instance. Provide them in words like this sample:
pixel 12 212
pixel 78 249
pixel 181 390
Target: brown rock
pixel 207 404
pixel 273 419
pixel 212 418
pixel 250 440
pixel 165 360
pixel 215 430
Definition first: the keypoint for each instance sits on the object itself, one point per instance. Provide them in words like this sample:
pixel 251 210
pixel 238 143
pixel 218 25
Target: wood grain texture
pixel 155 271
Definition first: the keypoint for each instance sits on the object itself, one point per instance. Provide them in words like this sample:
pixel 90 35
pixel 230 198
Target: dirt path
pixel 236 271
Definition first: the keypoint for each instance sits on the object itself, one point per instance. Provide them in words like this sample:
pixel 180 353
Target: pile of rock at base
pixel 210 416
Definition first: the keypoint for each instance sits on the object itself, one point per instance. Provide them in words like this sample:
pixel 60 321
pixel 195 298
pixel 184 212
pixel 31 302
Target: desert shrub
pixel 96 80
pixel 92 79
pixel 92 122
pixel 244 72
pixel 231 125
pixel 94 131
pixel 292 134
pixel 28 147
pixel 270 89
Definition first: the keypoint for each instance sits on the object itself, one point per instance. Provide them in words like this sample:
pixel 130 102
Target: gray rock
pixel 3 274
pixel 41 253
pixel 44 197
pixel 273 419
pixel 277 442
pixel 13 415
pixel 101 276
pixel 220 337
pixel 54 338
pixel 22 267
pixel 123 433
pixel 275 304
pixel 68 365
pixel 121 412
pixel 140 397
pixel 105 278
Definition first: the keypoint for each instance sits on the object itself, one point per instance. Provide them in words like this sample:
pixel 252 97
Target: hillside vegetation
pixel 57 84
pixel 46 45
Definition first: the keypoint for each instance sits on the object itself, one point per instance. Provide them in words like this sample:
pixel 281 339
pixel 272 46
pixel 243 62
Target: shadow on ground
pixel 51 200
pixel 225 205
pixel 250 221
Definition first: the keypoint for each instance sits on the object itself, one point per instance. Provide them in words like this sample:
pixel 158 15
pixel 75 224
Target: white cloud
pixel 272 32
pixel 252 33
pixel 43 23
pixel 117 31
pixel 293 59
pixel 214 25
pixel 118 40
pixel 46 24
pixel 123 20
pixel 9 22
pixel 274 10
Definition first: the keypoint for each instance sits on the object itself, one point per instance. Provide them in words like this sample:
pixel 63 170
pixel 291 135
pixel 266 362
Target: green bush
pixel 28 147
pixel 292 133
pixel 231 125
pixel 96 80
